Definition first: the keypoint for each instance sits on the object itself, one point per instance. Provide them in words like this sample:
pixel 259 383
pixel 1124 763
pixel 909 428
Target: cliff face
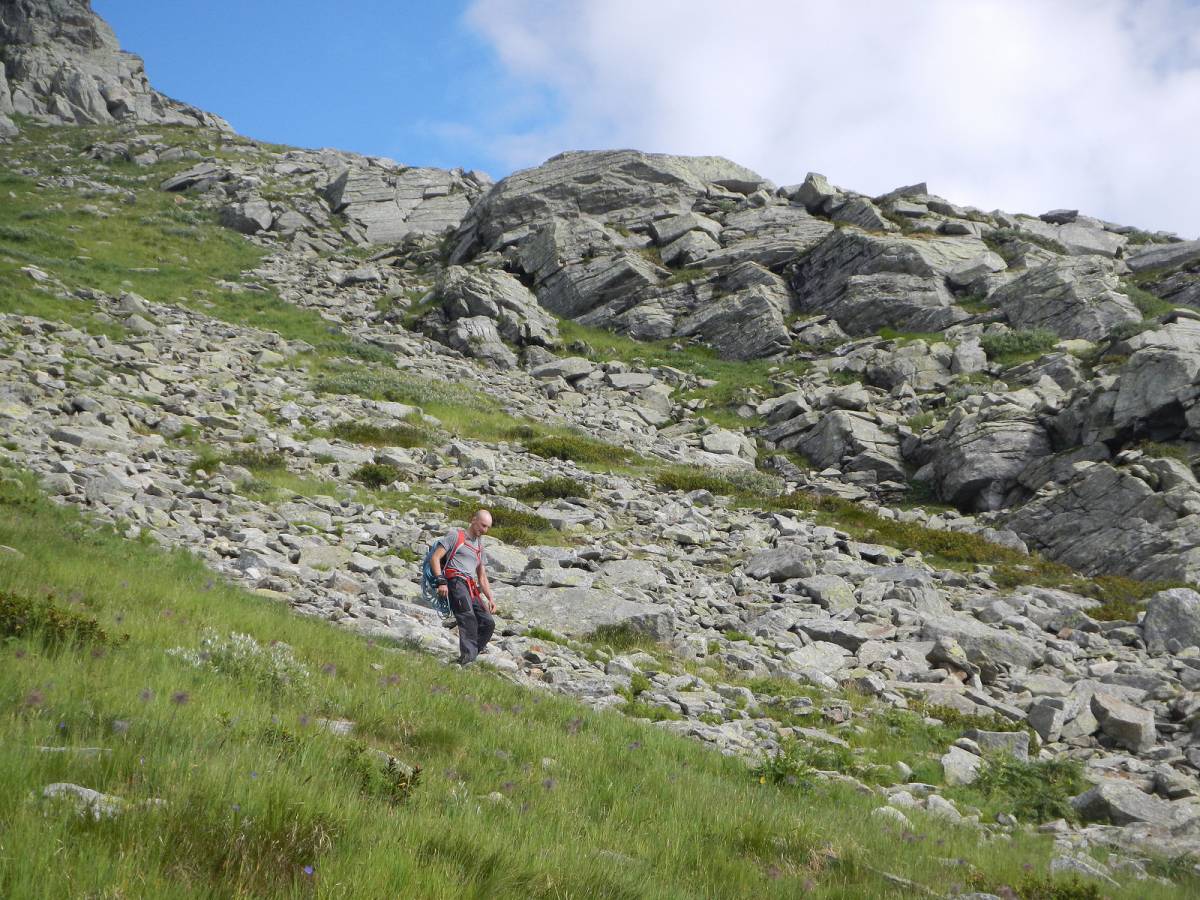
pixel 60 62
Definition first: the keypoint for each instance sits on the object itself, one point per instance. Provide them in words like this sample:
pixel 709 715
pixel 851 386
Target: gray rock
pixel 781 563
pixel 979 456
pixel 1014 743
pixel 815 192
pixel 1074 298
pixel 1116 521
pixel 569 367
pixel 868 281
pixel 578 612
pixel 854 441
pixel 1172 618
pixel 744 325
pixel 669 230
pixel 62 62
pixel 621 186
pixel 1121 803
pixel 389 204
pixel 499 296
pixel 1130 726
pixel 478 337
pixel 992 649
pixel 249 217
pixel 1164 256
pixel 960 767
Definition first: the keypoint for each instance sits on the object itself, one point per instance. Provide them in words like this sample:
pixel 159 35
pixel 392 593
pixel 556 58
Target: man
pixel 457 565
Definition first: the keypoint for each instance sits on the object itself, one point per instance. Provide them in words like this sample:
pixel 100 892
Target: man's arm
pixel 485 586
pixel 435 566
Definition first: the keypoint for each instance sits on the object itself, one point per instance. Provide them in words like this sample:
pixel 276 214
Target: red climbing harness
pixel 451 573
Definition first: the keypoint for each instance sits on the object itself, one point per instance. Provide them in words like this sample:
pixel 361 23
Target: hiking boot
pixel 449 622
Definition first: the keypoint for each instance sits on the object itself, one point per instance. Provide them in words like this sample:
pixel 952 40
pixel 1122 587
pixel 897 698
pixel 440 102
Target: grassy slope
pixel 256 791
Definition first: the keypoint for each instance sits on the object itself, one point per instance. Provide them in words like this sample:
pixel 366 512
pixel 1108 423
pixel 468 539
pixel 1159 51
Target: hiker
pixel 457 565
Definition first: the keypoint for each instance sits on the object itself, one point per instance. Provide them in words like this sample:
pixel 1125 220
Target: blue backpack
pixel 429 593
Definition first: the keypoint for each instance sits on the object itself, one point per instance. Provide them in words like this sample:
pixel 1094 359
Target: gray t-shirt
pixel 469 555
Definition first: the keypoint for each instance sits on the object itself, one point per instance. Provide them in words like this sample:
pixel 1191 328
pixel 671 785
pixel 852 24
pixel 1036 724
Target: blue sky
pixel 398 79
pixel 1021 105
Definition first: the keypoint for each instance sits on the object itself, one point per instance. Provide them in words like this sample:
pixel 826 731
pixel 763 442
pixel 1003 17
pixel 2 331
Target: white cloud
pixel 1023 105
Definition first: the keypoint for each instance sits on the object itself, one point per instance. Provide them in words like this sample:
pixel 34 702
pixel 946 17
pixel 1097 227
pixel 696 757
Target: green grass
pixel 402 435
pixel 907 337
pixel 1034 791
pixel 256 792
pixel 748 485
pixel 523 529
pixel 579 448
pixel 165 247
pixel 1015 347
pixel 734 382
pixel 1149 305
pixel 261 801
pixel 558 487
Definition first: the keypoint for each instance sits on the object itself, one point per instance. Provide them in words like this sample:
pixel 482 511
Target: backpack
pixel 429 586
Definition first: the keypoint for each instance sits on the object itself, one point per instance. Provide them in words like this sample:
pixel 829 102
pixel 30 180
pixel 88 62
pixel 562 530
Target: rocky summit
pixel 889 448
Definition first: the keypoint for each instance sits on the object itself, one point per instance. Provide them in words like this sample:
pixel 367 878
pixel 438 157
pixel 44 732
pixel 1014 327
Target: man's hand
pixel 491 605
pixel 443 590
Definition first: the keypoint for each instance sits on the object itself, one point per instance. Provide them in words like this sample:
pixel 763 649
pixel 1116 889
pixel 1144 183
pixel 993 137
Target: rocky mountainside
pixel 61 63
pixel 893 449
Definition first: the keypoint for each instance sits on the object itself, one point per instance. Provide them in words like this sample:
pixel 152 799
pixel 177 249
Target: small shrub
pixel 621 638
pixel 1148 304
pixel 1047 887
pixel 256 460
pixel 638 684
pixel 921 421
pixel 1164 451
pixel 56 627
pixel 550 489
pixel 1122 598
pixel 515 518
pixel 1035 791
pixel 1007 243
pixel 1015 346
pixel 638 710
pixel 577 448
pixel 403 435
pixel 376 475
pixel 385 778
pixel 515 535
pixel 240 655
pixel 542 634
pixel 745 484
pixel 732 634
pixel 788 765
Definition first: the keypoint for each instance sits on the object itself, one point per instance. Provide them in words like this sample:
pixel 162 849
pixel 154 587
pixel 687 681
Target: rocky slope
pixel 1016 366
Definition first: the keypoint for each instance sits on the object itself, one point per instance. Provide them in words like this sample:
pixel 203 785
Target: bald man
pixel 458 567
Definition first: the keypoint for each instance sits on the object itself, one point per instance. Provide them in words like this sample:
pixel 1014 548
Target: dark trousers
pixel 475 624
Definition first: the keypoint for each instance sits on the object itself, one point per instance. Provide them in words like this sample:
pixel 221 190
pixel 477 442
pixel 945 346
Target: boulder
pixel 625 187
pixel 1131 727
pixel 669 230
pixel 851 440
pixel 1106 520
pixel 960 766
pixel 578 612
pixel 1122 803
pixel 389 204
pixel 568 367
pixel 871 281
pixel 992 649
pixel 815 192
pixel 477 337
pixel 691 248
pixel 1074 298
pixel 248 217
pixel 744 325
pixel 500 297
pixel 1164 256
pixel 781 563
pixel 1172 620
pixel 978 456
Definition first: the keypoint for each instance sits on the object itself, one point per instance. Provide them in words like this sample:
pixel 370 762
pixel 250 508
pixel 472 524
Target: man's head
pixel 480 523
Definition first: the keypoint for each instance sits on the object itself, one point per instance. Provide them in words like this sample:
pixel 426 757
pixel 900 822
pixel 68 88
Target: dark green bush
pixel 551 489
pixel 577 448
pixel 56 627
pixel 1034 791
pixel 745 484
pixel 402 435
pixel 376 475
pixel 1014 346
pixel 256 460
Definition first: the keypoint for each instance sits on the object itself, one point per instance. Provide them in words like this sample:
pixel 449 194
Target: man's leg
pixel 486 625
pixel 468 635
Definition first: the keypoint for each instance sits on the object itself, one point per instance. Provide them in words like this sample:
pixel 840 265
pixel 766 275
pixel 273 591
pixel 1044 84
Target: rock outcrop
pixel 60 62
